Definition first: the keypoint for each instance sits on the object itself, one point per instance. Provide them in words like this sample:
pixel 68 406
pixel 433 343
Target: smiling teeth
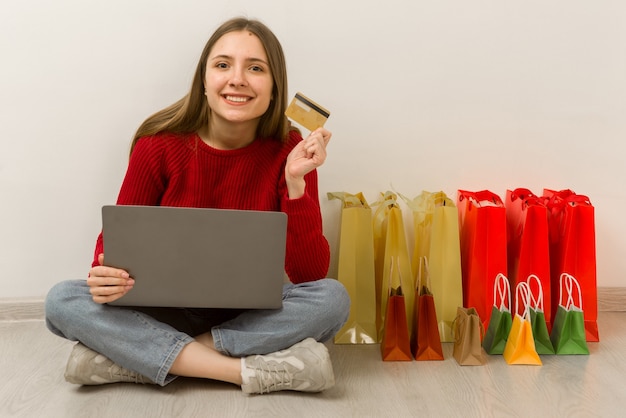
pixel 237 99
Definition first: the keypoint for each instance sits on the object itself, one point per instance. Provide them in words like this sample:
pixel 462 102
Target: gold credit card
pixel 306 112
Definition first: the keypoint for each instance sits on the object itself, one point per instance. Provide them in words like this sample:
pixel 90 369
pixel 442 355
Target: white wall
pixel 434 95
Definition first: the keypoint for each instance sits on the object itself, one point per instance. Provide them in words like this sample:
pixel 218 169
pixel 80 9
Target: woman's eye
pixel 221 65
pixel 256 68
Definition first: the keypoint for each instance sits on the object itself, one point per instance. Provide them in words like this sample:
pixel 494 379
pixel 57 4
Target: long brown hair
pixel 192 112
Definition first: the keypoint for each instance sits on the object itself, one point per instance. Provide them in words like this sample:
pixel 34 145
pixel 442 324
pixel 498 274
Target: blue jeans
pixel 148 340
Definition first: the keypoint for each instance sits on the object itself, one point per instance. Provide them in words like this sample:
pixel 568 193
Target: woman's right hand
pixel 107 284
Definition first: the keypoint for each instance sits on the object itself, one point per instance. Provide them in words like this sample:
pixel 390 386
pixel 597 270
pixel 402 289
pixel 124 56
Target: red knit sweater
pixel 183 171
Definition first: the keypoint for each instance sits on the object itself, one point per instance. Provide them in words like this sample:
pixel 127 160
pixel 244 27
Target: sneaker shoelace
pixel 125 375
pixel 272 377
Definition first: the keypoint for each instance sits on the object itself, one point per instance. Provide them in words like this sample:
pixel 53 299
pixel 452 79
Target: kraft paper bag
pixel 468 329
pixel 356 269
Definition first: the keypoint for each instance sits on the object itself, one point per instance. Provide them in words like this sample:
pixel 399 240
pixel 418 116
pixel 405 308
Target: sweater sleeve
pixel 308 252
pixel 144 181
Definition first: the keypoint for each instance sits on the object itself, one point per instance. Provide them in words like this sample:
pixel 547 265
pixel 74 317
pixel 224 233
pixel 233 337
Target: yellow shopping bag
pixel 356 269
pixel 390 244
pixel 520 346
pixel 436 231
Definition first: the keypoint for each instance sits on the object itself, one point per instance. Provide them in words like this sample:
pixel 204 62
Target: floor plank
pixel 32 361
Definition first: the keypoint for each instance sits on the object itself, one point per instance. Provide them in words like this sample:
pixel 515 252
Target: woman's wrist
pixel 295 188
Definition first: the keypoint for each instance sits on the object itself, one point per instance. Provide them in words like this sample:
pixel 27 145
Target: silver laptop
pixel 197 258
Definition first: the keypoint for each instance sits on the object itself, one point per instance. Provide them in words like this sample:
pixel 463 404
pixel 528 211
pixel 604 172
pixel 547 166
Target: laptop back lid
pixel 197 258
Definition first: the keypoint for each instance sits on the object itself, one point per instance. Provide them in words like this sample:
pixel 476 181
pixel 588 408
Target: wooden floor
pixel 32 362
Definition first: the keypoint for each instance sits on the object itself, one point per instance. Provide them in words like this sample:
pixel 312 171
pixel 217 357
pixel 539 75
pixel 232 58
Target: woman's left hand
pixel 306 156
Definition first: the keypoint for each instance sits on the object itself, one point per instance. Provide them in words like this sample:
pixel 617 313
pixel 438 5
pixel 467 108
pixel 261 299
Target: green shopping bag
pixel 543 345
pixel 568 330
pixel 501 319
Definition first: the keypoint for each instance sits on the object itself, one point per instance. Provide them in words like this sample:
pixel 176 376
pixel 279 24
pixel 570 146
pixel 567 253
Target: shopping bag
pixel 482 223
pixel 520 346
pixel 501 319
pixel 573 250
pixel 425 339
pixel 568 329
pixel 468 332
pixel 395 344
pixel 543 345
pixel 528 241
pixel 436 233
pixel 390 243
pixel 355 269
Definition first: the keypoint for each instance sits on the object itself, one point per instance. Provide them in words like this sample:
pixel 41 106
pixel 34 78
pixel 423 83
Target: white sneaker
pixel 304 367
pixel 87 367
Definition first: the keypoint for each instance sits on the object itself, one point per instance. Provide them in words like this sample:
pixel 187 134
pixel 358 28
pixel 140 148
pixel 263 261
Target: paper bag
pixel 501 319
pixel 356 269
pixel 573 250
pixel 482 221
pixel 425 339
pixel 468 330
pixel 390 243
pixel 436 232
pixel 520 346
pixel 543 345
pixel 528 241
pixel 395 344
pixel 568 329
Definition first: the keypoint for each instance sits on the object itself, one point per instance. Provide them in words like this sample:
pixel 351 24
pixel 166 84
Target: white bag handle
pixel 536 303
pixel 523 289
pixel 503 291
pixel 569 282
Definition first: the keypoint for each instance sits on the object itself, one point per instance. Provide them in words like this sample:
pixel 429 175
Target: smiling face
pixel 238 81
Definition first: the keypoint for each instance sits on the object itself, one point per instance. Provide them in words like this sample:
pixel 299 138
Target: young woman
pixel 226 144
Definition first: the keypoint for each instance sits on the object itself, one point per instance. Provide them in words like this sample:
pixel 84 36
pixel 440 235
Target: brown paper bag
pixel 468 330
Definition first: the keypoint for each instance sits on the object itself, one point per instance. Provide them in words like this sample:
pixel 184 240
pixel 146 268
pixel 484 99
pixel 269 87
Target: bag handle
pixel 536 303
pixel 423 265
pixel 399 291
pixel 349 200
pixel 387 202
pixel 521 193
pixel 570 281
pixel 524 290
pixel 482 198
pixel 503 291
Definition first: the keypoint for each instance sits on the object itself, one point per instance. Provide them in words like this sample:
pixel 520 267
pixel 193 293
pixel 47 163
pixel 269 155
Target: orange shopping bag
pixel 395 345
pixel 425 340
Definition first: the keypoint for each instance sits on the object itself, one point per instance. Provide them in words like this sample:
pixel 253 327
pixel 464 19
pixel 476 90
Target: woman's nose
pixel 238 77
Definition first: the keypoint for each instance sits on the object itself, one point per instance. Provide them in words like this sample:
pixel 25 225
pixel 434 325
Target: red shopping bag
pixel 482 225
pixel 573 250
pixel 528 241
